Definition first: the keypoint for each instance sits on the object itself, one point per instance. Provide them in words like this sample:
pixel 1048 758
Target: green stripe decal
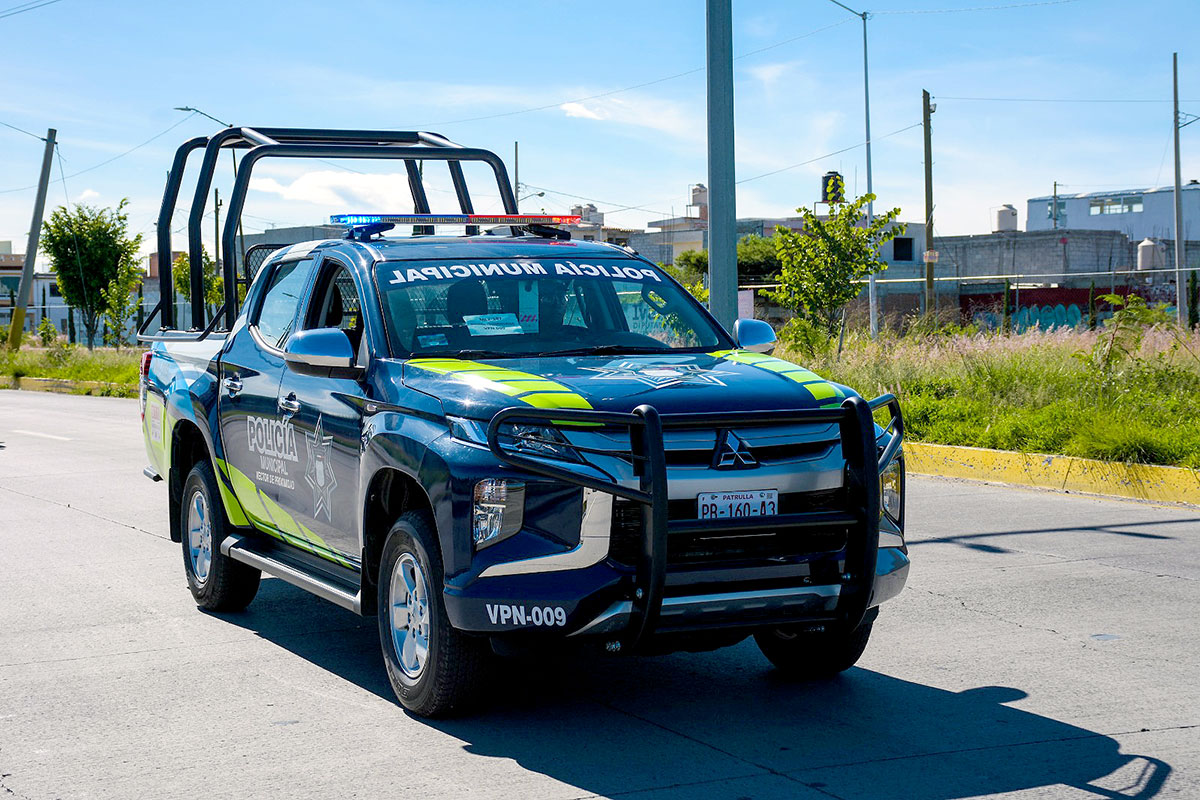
pixel 233 509
pixel 818 387
pixel 269 517
pixel 528 388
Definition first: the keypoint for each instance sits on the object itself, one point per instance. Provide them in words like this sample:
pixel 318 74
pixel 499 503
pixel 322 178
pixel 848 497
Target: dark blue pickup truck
pixel 509 439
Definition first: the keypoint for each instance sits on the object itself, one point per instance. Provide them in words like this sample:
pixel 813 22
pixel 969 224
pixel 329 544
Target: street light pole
pixel 872 291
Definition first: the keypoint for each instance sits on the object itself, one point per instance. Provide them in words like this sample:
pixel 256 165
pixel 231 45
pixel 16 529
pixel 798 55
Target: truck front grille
pixel 684 550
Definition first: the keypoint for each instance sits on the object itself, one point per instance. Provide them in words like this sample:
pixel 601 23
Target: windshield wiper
pixel 608 350
pixel 464 354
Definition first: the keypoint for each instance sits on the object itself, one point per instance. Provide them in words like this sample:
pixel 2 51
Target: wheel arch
pixel 390 493
pixel 188 446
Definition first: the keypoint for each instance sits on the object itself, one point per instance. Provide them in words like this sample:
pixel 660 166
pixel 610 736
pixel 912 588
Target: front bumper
pixel 582 592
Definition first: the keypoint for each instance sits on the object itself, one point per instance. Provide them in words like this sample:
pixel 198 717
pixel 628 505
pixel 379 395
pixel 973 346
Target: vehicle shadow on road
pixel 974 541
pixel 724 724
pixel 692 721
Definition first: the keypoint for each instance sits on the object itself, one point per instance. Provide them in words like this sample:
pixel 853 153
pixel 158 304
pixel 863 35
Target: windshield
pixel 539 308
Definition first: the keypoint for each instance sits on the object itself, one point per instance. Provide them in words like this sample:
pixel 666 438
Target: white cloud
pixel 641 111
pixel 344 191
pixel 580 110
pixel 769 74
pixel 87 194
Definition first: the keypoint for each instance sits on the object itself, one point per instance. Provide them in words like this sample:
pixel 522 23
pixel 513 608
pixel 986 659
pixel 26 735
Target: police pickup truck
pixel 508 439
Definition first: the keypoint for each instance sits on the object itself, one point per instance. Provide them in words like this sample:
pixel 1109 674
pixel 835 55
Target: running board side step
pixel 243 549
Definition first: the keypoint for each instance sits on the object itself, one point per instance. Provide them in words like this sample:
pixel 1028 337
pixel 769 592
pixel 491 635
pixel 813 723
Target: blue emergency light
pixel 454 219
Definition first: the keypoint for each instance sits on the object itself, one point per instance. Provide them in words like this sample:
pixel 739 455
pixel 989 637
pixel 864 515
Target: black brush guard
pixel 865 462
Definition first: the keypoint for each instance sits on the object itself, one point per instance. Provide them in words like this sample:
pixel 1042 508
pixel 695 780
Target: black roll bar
pixel 864 465
pixel 259 142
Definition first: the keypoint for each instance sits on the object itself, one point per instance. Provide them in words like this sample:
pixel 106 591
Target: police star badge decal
pixel 658 376
pixel 319 473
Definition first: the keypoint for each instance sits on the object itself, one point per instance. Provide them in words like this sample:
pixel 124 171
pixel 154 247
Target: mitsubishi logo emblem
pixel 732 453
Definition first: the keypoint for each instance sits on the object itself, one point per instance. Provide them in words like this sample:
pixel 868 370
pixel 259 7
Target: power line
pixel 22 130
pixel 974 8
pixel 829 155
pixel 33 5
pixel 106 162
pixel 642 85
pixel 1060 99
pixel 617 207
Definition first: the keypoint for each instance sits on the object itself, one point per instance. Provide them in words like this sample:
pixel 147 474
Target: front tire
pixel 433 668
pixel 813 655
pixel 217 582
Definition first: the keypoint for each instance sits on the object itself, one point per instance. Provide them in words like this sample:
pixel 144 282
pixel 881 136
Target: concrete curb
pixel 64 386
pixel 1060 473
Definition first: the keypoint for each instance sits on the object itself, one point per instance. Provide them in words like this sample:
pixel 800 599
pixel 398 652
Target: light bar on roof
pixel 453 219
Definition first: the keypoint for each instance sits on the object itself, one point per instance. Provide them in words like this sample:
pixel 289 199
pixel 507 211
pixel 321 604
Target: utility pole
pixel 926 111
pixel 722 216
pixel 1181 298
pixel 517 174
pixel 217 226
pixel 1054 206
pixel 25 288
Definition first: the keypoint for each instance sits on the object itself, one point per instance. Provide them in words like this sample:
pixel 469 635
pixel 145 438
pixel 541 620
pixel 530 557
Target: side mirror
pixel 754 335
pixel 319 350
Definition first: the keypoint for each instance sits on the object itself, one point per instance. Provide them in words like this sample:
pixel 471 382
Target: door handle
pixel 289 404
pixel 233 385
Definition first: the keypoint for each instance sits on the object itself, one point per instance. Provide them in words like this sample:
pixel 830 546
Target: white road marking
pixel 43 435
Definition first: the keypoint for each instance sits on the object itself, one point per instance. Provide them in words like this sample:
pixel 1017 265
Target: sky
pixel 606 99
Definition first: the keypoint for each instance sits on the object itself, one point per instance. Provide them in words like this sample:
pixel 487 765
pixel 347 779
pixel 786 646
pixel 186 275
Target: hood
pixel 728 380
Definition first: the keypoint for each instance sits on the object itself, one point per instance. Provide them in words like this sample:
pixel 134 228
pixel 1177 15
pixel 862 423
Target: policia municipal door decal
pixel 319 473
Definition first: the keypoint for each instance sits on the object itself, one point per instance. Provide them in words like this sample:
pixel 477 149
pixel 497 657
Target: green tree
pixel 121 303
pixel 214 284
pixel 87 247
pixel 756 259
pixel 821 265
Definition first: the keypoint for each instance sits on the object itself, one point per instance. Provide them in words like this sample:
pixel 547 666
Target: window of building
pixel 1129 204
pixel 902 248
pixel 1062 210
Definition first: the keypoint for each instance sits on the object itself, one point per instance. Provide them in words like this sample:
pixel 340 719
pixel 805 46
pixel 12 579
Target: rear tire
pixel 813 655
pixel 217 582
pixel 433 668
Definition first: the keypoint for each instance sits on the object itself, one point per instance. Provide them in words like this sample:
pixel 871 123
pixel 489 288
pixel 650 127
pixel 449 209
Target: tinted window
pixel 277 315
pixel 544 307
pixel 336 303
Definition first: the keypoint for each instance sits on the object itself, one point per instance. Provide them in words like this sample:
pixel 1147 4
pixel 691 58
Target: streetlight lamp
pixel 871 290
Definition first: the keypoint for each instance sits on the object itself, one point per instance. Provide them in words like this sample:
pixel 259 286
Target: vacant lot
pixel 1035 392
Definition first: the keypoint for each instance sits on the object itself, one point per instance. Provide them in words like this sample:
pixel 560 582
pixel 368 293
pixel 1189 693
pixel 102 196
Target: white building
pixel 1138 213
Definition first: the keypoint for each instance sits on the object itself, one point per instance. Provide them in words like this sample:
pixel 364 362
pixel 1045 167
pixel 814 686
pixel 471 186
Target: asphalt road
pixel 1046 646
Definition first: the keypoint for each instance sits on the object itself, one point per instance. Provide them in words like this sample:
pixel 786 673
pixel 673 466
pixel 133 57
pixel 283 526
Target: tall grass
pixel 69 362
pixel 1034 392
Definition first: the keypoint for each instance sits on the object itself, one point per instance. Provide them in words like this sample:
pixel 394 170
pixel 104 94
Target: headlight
pixel 499 510
pixel 534 440
pixel 537 440
pixel 891 490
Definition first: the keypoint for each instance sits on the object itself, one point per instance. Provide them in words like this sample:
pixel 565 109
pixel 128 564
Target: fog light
pixel 499 510
pixel 891 490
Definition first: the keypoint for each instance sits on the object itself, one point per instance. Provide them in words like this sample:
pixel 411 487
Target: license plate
pixel 754 503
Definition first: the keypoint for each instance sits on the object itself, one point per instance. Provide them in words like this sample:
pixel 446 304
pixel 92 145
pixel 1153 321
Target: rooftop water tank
pixel 833 188
pixel 1151 255
pixel 1006 219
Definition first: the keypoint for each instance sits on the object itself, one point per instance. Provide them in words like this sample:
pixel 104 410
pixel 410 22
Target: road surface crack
pixel 83 511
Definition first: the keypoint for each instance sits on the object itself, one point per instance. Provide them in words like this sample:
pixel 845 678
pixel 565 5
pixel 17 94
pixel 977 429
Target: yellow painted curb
pixel 1061 473
pixel 65 386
